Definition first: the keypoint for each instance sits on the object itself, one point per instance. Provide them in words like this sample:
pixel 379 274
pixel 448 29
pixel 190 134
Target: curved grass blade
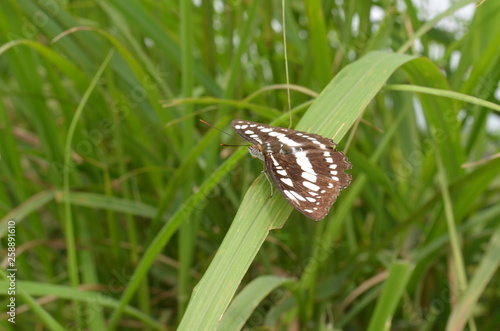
pixel 334 112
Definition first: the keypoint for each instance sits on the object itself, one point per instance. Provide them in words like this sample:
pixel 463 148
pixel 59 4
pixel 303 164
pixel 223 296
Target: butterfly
pixel 305 168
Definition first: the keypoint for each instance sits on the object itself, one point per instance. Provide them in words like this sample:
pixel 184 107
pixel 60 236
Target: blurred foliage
pixel 121 197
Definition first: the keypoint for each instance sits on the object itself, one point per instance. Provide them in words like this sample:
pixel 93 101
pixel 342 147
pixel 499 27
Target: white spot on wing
pixel 290 195
pixel 329 159
pixel 298 196
pixel 309 176
pixel 303 160
pixel 287 181
pixel 310 199
pixel 322 146
pixel 311 186
pixel 249 132
pixel 276 164
pixel 282 172
pixel 304 163
pixel 287 141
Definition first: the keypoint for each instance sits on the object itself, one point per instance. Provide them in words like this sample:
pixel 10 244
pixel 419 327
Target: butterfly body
pixel 305 167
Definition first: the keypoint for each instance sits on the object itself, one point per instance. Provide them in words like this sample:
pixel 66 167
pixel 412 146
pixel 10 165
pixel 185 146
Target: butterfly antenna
pixel 230 135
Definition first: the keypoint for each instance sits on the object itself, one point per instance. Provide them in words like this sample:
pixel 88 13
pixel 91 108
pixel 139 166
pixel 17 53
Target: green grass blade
pixel 319 46
pixel 31 289
pixel 428 25
pixel 68 216
pixel 393 290
pixel 29 206
pixel 168 230
pixel 484 274
pixel 242 242
pixel 45 317
pixel 446 93
pixel 335 110
pixel 248 299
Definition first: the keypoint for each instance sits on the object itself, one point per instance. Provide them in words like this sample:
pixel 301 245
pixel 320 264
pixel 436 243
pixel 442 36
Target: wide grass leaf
pixel 333 113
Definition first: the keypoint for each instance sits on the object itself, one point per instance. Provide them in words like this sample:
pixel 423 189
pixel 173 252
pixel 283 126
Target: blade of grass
pixel 45 317
pixel 431 23
pixel 393 291
pixel 68 217
pixel 250 297
pixel 445 93
pixel 318 44
pixel 168 230
pixel 100 201
pixel 188 230
pixel 458 259
pixel 484 274
pixel 335 110
pixel 29 289
pixel 29 206
pixel 216 288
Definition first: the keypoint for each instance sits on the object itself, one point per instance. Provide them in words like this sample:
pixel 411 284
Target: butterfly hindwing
pixel 311 190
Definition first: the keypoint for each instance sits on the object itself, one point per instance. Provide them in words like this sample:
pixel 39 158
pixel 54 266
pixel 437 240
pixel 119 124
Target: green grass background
pixel 130 216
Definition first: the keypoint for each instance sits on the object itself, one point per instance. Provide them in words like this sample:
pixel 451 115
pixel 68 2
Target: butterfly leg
pixel 269 180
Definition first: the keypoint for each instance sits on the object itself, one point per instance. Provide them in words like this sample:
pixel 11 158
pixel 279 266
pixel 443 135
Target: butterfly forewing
pixel 305 167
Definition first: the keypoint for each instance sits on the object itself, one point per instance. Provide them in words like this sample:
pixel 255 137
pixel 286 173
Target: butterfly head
pixel 256 152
